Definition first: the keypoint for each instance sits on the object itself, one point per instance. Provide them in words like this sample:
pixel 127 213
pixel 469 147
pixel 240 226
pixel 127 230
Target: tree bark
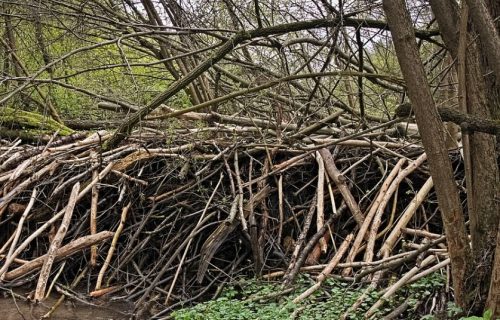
pixel 470 122
pixel 484 25
pixel 431 130
pixel 483 187
pixel 493 302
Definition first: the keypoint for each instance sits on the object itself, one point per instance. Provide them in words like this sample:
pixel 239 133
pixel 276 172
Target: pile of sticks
pixel 167 219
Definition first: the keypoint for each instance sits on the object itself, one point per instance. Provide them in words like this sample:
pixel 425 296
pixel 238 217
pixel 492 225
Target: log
pixel 65 251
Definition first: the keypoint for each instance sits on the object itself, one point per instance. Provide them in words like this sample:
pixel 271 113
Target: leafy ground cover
pixel 251 299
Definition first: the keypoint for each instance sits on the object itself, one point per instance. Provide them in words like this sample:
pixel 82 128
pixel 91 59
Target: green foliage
pixel 252 299
pixel 453 310
pixel 115 71
pixel 486 316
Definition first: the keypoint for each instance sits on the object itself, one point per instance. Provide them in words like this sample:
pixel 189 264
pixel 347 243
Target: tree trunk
pixel 492 82
pixel 494 295
pixel 485 27
pixel 483 189
pixel 431 130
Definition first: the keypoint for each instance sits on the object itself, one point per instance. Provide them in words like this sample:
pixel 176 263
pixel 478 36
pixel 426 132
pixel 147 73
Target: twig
pixel 112 248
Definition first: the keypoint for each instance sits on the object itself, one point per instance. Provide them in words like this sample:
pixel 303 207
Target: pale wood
pixel 364 227
pixel 340 182
pixel 327 270
pixel 405 218
pixel 56 243
pixel 63 252
pixel 93 209
pixel 112 248
pixel 320 206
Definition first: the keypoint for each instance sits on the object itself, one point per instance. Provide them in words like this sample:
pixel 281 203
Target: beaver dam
pixel 164 159
pixel 162 225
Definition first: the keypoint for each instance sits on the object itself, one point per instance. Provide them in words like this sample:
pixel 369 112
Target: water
pixel 18 309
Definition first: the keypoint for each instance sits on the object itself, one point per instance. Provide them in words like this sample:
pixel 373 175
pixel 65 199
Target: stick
pixel 65 251
pixel 320 210
pixel 327 270
pixel 340 182
pixel 401 282
pixel 52 220
pixel 364 227
pixel 56 243
pixel 405 218
pixel 22 186
pixel 93 210
pixel 19 228
pixel 112 248
pixel 377 220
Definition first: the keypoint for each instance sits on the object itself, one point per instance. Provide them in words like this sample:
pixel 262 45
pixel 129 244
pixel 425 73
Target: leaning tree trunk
pixel 483 185
pixel 431 130
pixel 483 24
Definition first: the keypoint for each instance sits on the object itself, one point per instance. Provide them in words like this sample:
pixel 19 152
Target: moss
pixel 31 122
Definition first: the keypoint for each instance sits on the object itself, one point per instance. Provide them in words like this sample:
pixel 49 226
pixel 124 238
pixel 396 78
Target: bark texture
pixel 431 130
pixel 483 189
pixel 483 24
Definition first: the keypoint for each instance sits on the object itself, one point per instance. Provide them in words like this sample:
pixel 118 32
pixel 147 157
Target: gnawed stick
pixel 366 223
pixel 395 263
pixel 16 260
pixel 328 269
pixel 56 243
pixel 19 229
pixel 243 221
pixel 431 270
pixel 373 286
pixel 357 264
pixel 340 182
pixel 281 209
pixel 112 248
pixel 93 209
pixel 401 282
pixel 63 252
pixel 377 220
pixel 47 224
pixel 320 212
pixel 405 218
pixel 101 292
pixel 421 233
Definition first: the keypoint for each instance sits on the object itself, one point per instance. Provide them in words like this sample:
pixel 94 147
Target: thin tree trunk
pixel 483 185
pixel 493 302
pixel 431 130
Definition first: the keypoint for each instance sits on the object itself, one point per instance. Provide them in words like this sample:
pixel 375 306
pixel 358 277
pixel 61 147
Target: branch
pixel 466 121
pixel 227 47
